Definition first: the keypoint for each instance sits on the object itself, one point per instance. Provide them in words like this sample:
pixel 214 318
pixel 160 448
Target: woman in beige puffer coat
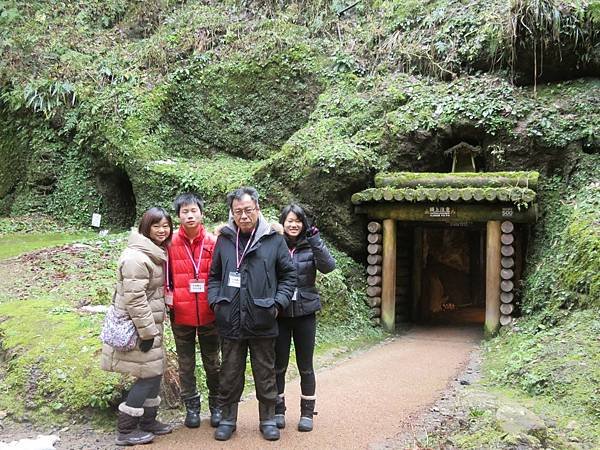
pixel 140 294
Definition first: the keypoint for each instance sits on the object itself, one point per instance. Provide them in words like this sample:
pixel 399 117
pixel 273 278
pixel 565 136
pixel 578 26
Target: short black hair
pixel 300 213
pixel 152 216
pixel 188 198
pixel 240 192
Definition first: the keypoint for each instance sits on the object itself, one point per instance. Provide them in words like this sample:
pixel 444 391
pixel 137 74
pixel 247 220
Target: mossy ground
pixel 548 360
pixel 16 244
pixel 50 348
pixel 550 371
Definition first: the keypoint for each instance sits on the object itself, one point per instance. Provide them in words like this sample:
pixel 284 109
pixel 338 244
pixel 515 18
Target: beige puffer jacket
pixel 140 292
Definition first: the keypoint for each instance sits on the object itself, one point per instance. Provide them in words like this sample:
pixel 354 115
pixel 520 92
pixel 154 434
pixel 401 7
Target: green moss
pixel 16 244
pixel 553 367
pixel 57 365
pixel 563 114
pixel 247 104
pixel 443 37
pixel 342 295
pixel 459 179
pixel 212 178
pixel 565 262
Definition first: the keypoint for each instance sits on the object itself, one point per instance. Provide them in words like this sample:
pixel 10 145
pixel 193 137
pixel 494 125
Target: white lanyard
pixel 196 266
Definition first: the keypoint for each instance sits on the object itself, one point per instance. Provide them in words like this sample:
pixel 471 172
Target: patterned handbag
pixel 118 331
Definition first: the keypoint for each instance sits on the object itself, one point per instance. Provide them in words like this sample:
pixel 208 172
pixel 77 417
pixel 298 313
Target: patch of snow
pixel 42 442
pixel 94 309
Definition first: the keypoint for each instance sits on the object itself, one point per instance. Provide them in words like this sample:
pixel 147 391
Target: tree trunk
pixel 507 227
pixel 374 238
pixel 374 280
pixel 374 259
pixel 374 291
pixel 374 270
pixel 506 297
pixel 505 320
pixel 374 249
pixel 374 227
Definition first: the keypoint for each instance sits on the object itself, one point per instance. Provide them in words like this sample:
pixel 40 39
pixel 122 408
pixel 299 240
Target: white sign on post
pixel 96 220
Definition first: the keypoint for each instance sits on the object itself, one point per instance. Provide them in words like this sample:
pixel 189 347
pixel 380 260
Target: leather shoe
pixel 270 432
pixel 224 432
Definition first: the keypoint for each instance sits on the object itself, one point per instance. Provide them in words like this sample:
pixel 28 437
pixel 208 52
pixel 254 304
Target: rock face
pixel 304 103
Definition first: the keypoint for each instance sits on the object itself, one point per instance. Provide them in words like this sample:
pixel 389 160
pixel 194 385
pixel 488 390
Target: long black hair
pixel 300 214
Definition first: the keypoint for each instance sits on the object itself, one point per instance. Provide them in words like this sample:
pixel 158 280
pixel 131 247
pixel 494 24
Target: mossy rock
pixel 158 182
pixel 246 104
pixel 538 41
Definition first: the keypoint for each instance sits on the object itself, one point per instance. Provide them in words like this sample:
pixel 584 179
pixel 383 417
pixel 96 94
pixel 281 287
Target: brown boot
pixel 148 421
pixel 127 427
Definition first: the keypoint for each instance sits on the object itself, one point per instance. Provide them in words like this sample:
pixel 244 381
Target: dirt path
pixel 363 401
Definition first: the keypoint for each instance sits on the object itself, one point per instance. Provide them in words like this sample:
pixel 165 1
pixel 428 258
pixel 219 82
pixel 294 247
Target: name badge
pixel 196 286
pixel 235 280
pixel 168 298
pixel 295 295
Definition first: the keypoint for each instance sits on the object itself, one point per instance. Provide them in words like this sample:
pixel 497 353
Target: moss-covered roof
pixel 458 180
pixel 514 187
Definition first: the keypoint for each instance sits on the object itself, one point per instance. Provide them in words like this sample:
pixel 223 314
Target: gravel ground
pixel 392 396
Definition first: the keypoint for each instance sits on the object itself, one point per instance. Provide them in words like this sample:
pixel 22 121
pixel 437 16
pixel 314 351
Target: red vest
pixel 190 308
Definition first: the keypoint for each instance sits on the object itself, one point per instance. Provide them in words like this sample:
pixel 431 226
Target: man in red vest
pixel 190 256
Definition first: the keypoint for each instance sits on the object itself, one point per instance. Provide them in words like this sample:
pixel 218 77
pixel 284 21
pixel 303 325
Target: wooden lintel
pixel 388 283
pixel 449 212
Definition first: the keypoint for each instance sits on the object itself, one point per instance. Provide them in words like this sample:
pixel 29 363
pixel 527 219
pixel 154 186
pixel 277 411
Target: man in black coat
pixel 252 278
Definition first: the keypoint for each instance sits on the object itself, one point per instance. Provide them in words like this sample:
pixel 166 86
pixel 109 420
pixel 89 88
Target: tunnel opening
pixel 117 203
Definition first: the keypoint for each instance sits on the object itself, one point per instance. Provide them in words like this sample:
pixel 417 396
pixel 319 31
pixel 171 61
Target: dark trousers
pixel 302 329
pixel 185 344
pixel 262 361
pixel 143 389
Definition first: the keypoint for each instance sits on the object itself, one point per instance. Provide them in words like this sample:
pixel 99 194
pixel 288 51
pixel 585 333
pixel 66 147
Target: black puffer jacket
pixel 310 254
pixel 268 277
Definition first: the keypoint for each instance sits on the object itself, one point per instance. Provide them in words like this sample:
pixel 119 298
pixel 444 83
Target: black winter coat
pixel 268 280
pixel 311 254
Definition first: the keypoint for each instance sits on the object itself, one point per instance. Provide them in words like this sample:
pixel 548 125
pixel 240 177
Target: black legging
pixel 302 329
pixel 143 389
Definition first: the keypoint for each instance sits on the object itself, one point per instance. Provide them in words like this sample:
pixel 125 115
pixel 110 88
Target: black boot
pixel 307 410
pixel 215 412
pixel 127 427
pixel 228 422
pixel 148 420
pixel 280 411
pixel 192 406
pixel 268 426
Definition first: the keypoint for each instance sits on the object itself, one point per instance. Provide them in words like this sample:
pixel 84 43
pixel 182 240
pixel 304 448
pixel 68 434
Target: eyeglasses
pixel 247 211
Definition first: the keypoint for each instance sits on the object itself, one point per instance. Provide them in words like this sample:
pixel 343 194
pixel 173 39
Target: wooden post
pixel 388 285
pixel 492 279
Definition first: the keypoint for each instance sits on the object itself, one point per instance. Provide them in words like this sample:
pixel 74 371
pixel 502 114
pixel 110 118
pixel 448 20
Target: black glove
pixel 146 345
pixel 311 231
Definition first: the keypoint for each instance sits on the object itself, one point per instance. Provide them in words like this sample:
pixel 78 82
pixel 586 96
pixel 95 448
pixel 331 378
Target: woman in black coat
pixel 298 321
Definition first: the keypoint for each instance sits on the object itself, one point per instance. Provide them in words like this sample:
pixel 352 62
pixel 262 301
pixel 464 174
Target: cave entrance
pixel 117 198
pixel 446 246
pixel 451 261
